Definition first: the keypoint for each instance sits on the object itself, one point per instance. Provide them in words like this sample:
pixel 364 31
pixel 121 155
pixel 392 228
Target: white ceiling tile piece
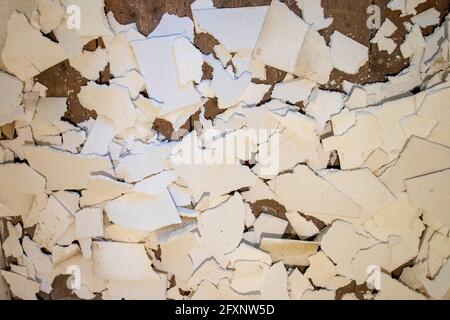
pixel 364 188
pixel 11 245
pixel 21 178
pixel 321 269
pixel 101 189
pixel 439 287
pixel 358 143
pixel 53 222
pixel 225 86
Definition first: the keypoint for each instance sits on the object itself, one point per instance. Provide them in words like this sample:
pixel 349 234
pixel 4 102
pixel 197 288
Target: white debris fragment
pixel 112 102
pixel 312 13
pixel 291 252
pixel 89 223
pixel 142 212
pixel 298 50
pixel 51 12
pixel 63 170
pixel 20 286
pixel 11 92
pixel 236 28
pixel 293 91
pixel 382 39
pixel 161 73
pixel 90 64
pixel 311 188
pixel 427 18
pixel 414 42
pixel 122 261
pixel 322 105
pixel 95 23
pixel 189 61
pixel 27 52
pixel 133 81
pixel 347 54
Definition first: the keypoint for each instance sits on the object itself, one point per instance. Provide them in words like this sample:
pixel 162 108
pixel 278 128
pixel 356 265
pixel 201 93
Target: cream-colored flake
pixel 27 52
pixel 291 252
pixel 122 261
pixel 142 212
pixel 347 54
pixel 64 170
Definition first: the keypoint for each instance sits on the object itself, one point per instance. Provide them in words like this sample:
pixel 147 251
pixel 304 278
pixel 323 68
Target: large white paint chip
pixel 65 170
pixel 236 28
pixel 222 228
pixel 27 52
pixel 11 93
pixel 312 194
pixel 112 101
pixel 431 193
pixel 142 212
pixel 287 43
pixel 347 54
pixel 158 65
pixel 122 261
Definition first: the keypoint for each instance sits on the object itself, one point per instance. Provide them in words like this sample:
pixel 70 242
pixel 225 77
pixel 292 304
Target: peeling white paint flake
pixel 27 52
pixel 382 37
pixel 196 176
pixel 347 54
pixel 301 51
